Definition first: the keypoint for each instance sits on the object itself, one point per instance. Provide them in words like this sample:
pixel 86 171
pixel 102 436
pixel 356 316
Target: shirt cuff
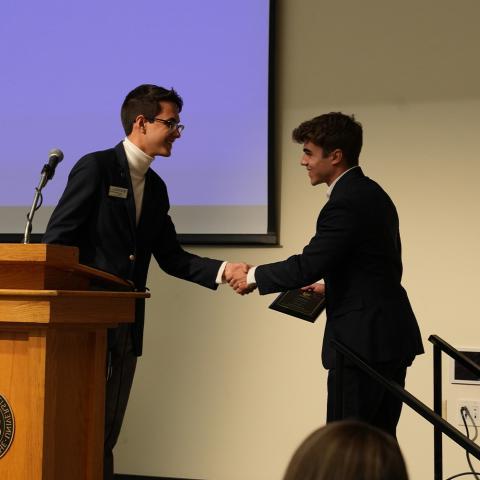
pixel 251 276
pixel 219 279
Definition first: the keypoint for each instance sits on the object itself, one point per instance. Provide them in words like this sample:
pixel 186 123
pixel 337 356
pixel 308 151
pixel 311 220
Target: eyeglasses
pixel 171 124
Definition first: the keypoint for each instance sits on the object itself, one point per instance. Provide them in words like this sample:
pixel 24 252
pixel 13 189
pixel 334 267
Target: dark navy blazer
pixel 104 228
pixel 356 250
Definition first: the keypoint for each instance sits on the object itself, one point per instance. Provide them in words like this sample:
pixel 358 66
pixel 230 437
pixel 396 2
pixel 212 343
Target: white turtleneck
pixel 138 164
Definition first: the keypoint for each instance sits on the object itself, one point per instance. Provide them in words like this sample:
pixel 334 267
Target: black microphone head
pixel 55 153
pixel 55 156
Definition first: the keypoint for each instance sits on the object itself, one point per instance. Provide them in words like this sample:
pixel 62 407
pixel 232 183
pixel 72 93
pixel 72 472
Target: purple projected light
pixel 66 68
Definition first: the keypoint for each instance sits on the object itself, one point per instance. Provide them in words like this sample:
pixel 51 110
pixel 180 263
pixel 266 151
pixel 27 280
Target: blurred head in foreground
pixel 347 450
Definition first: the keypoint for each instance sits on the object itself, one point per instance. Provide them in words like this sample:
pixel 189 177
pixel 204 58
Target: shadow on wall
pixel 376 51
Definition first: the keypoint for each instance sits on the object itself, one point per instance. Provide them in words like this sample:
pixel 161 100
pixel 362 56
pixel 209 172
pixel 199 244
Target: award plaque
pixel 305 305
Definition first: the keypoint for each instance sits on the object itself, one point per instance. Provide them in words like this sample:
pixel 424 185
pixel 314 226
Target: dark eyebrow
pixel 306 150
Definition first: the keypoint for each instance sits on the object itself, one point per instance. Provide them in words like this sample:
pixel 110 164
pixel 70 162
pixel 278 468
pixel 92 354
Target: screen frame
pixel 271 238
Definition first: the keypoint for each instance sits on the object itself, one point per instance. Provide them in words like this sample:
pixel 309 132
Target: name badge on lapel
pixel 118 192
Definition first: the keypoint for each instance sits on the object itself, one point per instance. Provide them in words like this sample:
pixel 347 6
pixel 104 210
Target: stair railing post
pixel 437 407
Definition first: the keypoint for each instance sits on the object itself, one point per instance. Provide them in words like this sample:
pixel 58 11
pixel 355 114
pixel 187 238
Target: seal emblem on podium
pixel 7 426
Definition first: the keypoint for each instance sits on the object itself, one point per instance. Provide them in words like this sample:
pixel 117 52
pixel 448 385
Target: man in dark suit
pixel 356 250
pixel 115 209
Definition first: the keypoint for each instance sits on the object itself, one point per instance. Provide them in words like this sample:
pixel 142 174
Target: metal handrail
pixel 439 346
pixel 440 425
pixel 455 354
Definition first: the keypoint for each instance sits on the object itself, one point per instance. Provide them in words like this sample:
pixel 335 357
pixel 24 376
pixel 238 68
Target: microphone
pixel 55 156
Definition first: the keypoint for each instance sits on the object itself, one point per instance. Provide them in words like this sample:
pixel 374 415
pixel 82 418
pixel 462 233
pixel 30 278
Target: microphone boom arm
pixel 48 170
pixel 35 205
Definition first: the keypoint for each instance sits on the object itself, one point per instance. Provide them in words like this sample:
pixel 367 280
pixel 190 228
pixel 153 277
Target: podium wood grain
pixel 52 379
pixel 52 361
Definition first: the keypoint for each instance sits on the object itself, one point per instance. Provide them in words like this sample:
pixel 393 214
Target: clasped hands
pixel 235 274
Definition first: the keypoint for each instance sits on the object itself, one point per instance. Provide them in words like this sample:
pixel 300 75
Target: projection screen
pixel 67 66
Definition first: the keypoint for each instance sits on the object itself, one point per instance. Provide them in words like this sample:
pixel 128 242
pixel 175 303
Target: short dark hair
pixel 347 450
pixel 145 100
pixel 330 131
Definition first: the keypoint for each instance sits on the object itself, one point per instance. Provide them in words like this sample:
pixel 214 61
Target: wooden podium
pixel 53 361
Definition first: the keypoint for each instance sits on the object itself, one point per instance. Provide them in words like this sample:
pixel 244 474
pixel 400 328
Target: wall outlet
pixel 474 408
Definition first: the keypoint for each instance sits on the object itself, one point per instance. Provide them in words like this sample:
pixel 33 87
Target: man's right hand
pixel 236 276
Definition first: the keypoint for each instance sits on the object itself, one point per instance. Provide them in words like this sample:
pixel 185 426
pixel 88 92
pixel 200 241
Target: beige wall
pixel 227 388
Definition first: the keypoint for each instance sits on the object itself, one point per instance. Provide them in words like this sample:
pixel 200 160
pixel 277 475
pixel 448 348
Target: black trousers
pixel 120 372
pixel 365 399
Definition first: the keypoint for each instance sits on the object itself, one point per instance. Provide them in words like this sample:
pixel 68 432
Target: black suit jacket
pixel 357 250
pixel 104 227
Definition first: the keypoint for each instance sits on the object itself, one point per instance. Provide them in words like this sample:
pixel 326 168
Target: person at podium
pixel 115 209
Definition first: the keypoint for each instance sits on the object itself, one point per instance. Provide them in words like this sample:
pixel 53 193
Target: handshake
pixel 235 274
